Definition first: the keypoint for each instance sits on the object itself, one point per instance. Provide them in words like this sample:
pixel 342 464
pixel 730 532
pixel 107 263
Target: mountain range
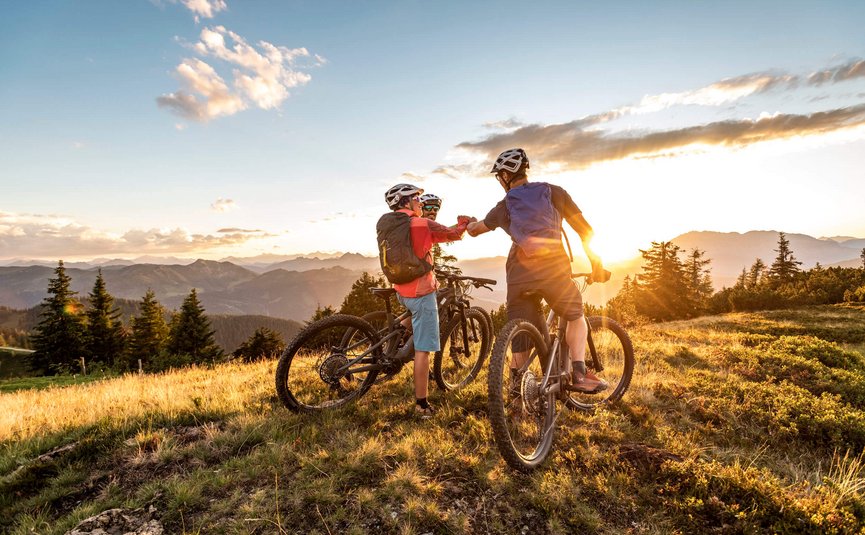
pixel 291 287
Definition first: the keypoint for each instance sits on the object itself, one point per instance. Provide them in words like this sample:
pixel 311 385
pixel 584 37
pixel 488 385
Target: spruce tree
pixel 149 332
pixel 264 343
pixel 785 267
pixel 755 274
pixel 321 313
pixel 862 256
pixel 59 338
pixel 191 333
pixel 698 278
pixel 105 339
pixel 359 300
pixel 444 261
pixel 742 279
pixel 663 291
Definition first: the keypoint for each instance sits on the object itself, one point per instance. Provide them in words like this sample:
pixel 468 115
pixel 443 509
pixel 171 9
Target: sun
pixel 611 249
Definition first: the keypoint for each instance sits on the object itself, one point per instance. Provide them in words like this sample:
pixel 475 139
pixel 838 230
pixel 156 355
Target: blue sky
pixel 710 100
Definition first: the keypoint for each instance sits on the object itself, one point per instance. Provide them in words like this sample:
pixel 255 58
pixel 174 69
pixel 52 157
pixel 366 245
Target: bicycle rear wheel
pixel 314 373
pixel 457 363
pixel 522 417
pixel 616 354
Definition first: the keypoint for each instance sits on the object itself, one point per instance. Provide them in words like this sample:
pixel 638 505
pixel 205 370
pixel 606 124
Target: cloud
pixel 204 8
pixel 586 141
pixel 572 146
pixel 51 236
pixel 458 171
pixel 842 73
pixel 223 205
pixel 239 231
pixel 716 94
pixel 262 76
pixel 200 77
pixel 732 89
pixel 507 124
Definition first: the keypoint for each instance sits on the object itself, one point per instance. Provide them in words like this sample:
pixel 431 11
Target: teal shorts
pixel 424 321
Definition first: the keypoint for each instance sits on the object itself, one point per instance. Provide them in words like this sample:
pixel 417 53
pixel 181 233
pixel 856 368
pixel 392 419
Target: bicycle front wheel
pixel 615 354
pixel 464 347
pixel 522 417
pixel 320 368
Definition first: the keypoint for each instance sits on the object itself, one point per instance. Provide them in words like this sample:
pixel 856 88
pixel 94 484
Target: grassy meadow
pixel 742 423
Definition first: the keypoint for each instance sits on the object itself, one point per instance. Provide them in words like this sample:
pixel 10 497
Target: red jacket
pixel 424 233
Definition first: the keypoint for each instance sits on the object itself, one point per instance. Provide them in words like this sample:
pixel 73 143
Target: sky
pixel 215 128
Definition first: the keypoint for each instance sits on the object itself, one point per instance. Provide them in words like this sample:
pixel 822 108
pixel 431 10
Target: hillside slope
pixel 743 423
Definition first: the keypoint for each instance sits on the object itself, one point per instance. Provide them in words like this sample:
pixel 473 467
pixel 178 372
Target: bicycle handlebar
pixel 589 278
pixel 477 281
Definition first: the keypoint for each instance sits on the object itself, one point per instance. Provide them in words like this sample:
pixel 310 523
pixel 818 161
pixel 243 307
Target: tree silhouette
pixel 149 331
pixel 785 267
pixel 359 300
pixel 663 293
pixel 105 339
pixel 59 338
pixel 698 279
pixel 444 261
pixel 191 334
pixel 264 343
pixel 755 274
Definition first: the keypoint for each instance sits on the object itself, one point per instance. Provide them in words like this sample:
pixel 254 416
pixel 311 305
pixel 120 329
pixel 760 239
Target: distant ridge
pixel 294 285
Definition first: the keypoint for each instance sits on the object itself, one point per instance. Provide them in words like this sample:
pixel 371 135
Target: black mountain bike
pixel 466 331
pixel 522 405
pixel 337 359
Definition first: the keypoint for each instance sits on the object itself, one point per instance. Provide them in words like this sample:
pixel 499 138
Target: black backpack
pixel 398 261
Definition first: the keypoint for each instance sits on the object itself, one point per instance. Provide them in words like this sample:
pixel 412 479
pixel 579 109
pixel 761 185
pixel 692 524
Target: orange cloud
pixel 572 146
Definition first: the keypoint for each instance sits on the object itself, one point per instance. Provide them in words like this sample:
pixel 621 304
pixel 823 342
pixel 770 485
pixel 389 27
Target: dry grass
pixel 722 431
pixel 227 388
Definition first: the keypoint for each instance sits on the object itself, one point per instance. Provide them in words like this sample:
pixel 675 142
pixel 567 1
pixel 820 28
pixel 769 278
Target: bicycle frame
pixel 561 358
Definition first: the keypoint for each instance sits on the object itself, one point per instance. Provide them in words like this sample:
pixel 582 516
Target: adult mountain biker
pixel 431 205
pixel 537 265
pixel 419 294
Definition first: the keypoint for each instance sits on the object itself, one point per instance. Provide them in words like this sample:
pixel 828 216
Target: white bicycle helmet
pixel 393 196
pixel 512 160
pixel 429 198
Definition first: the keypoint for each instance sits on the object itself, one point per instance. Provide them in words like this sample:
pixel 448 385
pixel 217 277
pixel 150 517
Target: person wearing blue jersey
pixel 537 265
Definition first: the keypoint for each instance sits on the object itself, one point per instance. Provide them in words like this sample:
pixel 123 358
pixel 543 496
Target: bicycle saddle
pixel 384 293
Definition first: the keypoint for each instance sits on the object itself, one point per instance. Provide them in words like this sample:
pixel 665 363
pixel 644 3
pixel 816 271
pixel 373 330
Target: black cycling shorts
pixel 561 293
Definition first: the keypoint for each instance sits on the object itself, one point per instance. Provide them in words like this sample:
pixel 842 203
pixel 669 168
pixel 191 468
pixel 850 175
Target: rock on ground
pixel 120 522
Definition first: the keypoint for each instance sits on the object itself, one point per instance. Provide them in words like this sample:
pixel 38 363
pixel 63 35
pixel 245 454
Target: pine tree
pixel 59 338
pixel 264 343
pixel 742 279
pixel 622 307
pixel 105 339
pixel 755 274
pixel 445 262
pixel 698 278
pixel 149 332
pixel 663 291
pixel 785 267
pixel 321 313
pixel 862 256
pixel 191 333
pixel 359 300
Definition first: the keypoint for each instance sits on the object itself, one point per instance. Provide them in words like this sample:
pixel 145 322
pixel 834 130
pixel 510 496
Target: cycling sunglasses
pixel 431 207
